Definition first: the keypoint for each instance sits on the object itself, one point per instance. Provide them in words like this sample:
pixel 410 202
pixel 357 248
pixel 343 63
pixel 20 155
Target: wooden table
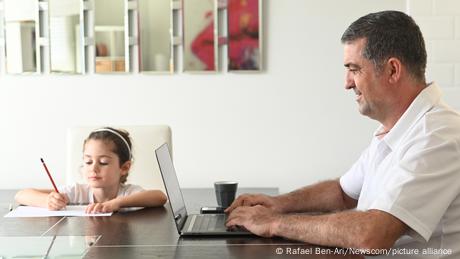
pixel 151 233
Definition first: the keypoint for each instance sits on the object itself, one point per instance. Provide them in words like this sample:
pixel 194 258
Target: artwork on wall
pixel 64 36
pixel 132 36
pixel 154 33
pixel 20 36
pixel 244 45
pixel 109 36
pixel 199 38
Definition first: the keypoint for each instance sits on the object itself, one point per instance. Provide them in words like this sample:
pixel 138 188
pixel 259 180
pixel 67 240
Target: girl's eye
pixel 103 163
pixel 88 162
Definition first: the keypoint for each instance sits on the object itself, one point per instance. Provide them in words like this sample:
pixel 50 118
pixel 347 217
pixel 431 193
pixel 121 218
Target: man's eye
pixel 355 70
pixel 103 163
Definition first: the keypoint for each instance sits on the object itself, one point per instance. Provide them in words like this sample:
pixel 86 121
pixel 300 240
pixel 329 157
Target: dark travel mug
pixel 225 192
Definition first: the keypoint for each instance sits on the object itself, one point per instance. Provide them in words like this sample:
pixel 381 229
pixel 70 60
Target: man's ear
pixel 125 167
pixel 394 69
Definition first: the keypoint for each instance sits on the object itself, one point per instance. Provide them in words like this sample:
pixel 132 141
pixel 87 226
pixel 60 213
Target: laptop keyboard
pixel 210 222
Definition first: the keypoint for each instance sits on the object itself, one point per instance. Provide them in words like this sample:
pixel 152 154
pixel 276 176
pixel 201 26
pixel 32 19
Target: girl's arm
pixel 149 198
pixel 45 198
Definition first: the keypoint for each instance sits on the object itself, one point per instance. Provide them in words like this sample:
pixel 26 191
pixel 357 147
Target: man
pixel 405 186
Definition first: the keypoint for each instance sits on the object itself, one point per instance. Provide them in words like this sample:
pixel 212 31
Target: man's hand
pixel 56 201
pixel 257 219
pixel 256 199
pixel 104 207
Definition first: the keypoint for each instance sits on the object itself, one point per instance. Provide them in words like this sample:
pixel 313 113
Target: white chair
pixel 145 139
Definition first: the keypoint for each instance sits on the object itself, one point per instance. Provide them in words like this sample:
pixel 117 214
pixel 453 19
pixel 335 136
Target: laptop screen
pixel 168 173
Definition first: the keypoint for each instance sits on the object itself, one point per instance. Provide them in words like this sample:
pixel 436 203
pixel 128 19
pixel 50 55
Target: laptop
pixel 189 224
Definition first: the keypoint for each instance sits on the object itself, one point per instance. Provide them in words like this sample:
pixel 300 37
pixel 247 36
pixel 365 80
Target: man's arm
pixel 371 229
pixel 321 197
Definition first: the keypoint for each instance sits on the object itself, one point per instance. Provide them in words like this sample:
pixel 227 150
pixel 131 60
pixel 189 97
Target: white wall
pixel 290 126
pixel 440 22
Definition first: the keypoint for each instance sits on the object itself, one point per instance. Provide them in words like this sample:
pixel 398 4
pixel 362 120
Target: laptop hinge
pixel 181 221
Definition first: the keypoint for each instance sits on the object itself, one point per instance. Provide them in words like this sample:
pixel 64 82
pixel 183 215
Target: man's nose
pixel 349 80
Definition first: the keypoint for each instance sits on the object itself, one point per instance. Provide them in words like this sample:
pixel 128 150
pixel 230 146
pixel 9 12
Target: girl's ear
pixel 125 167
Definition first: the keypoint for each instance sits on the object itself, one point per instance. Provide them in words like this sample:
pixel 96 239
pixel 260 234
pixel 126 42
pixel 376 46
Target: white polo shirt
pixel 413 173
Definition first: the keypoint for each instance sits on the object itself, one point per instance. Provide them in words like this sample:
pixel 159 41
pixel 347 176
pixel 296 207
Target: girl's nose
pixel 95 168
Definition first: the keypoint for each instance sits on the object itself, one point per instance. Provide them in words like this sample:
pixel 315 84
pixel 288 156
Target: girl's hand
pixel 104 207
pixel 56 201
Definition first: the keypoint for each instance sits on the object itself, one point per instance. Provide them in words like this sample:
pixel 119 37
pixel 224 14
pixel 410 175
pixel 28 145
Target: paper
pixel 71 211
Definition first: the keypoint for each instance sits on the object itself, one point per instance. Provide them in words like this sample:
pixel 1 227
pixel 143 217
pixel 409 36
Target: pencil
pixel 49 175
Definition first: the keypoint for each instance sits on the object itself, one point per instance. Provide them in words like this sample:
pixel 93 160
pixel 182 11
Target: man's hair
pixel 390 34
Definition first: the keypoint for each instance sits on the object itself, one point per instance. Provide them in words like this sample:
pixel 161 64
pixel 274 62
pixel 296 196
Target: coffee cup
pixel 225 192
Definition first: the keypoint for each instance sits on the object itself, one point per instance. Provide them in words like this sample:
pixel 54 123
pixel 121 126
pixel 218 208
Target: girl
pixel 107 159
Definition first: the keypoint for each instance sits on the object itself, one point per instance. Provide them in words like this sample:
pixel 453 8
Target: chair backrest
pixel 145 139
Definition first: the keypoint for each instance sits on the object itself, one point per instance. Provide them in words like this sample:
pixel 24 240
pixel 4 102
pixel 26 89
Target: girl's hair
pixel 121 144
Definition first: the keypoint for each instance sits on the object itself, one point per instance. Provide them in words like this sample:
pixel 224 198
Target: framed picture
pixel 200 43
pixel 244 35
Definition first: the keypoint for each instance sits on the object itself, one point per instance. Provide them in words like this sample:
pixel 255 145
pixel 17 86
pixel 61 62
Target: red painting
pixel 243 35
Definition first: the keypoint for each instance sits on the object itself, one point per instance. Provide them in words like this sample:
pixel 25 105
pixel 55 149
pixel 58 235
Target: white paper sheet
pixel 72 211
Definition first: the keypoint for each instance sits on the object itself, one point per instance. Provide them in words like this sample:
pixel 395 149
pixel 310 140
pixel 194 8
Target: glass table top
pixel 45 246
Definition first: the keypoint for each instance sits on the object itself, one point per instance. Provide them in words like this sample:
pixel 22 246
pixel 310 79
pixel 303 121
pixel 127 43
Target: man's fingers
pixel 236 203
pixel 232 215
pixel 248 201
pixel 231 223
pixel 232 206
pixel 242 200
pixel 237 213
pixel 234 220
